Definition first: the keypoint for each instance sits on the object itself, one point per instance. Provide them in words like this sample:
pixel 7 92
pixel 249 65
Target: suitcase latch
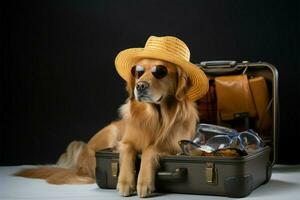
pixel 211 173
pixel 114 168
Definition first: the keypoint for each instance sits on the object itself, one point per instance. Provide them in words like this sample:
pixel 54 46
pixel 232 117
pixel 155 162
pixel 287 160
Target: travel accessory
pixel 158 71
pixel 234 98
pixel 212 139
pixel 235 106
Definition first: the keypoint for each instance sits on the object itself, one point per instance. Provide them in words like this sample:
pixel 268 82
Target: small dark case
pixel 225 176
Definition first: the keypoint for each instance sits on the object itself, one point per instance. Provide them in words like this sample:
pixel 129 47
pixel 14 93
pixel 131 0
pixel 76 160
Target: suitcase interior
pixel 233 177
pixel 266 70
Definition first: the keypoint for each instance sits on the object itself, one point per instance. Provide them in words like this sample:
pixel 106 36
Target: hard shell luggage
pixel 213 175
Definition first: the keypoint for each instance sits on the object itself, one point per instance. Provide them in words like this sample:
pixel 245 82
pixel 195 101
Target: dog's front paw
pixel 144 189
pixel 126 188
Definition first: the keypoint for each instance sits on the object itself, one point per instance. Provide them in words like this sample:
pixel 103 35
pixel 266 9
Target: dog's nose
pixel 142 86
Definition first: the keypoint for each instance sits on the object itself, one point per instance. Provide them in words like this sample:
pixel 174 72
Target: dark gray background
pixel 58 81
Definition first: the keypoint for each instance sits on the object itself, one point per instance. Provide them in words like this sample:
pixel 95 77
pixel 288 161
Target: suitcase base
pixel 232 177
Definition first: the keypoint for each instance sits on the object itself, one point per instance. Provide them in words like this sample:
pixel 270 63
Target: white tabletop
pixel 284 184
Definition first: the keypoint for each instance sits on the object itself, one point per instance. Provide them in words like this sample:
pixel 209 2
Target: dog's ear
pixel 182 84
pixel 130 88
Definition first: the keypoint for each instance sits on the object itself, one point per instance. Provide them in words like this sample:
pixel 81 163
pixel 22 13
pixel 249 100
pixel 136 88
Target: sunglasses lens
pixel 219 142
pixel 159 71
pixel 250 141
pixel 137 71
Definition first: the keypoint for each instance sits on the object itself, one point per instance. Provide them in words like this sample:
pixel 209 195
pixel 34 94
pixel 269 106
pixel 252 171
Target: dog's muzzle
pixel 142 91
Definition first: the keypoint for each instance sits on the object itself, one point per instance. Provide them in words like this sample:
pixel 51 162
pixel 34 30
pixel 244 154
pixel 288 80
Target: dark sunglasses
pixel 158 71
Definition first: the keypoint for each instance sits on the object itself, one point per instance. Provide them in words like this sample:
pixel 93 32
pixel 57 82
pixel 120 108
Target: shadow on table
pixel 286 169
pixel 114 193
pixel 274 187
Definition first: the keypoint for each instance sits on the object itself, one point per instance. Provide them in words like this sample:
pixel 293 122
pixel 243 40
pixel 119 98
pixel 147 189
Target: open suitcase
pixel 225 176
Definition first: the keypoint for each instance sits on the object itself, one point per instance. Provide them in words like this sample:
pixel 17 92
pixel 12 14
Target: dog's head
pixel 154 81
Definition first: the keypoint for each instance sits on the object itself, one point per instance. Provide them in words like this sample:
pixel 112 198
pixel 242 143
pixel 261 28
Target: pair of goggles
pixel 211 139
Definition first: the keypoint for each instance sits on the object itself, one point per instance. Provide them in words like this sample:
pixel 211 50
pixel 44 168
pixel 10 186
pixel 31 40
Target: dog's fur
pixel 150 124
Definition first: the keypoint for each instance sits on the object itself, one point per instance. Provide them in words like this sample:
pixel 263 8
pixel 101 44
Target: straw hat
pixel 167 48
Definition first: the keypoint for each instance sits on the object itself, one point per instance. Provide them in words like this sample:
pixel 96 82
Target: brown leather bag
pixel 236 101
pixel 234 98
pixel 262 102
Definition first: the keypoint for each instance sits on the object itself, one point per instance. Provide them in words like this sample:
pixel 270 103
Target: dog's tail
pixel 75 166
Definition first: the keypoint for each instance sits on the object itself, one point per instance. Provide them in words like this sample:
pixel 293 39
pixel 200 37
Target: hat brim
pixel 126 59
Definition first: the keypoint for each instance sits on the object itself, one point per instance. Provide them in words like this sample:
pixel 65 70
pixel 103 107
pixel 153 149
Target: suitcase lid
pixel 268 71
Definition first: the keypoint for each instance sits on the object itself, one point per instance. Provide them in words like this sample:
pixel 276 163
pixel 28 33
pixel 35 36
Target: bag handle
pixel 218 67
pixel 218 64
pixel 178 175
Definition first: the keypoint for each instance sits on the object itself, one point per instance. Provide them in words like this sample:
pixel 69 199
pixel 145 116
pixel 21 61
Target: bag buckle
pixel 114 168
pixel 211 173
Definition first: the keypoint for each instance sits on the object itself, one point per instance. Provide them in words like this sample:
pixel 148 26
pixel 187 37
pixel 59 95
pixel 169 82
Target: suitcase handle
pixel 218 63
pixel 178 174
pixel 220 67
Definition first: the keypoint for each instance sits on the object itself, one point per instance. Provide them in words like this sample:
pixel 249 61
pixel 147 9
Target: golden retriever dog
pixel 156 115
pixel 162 86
